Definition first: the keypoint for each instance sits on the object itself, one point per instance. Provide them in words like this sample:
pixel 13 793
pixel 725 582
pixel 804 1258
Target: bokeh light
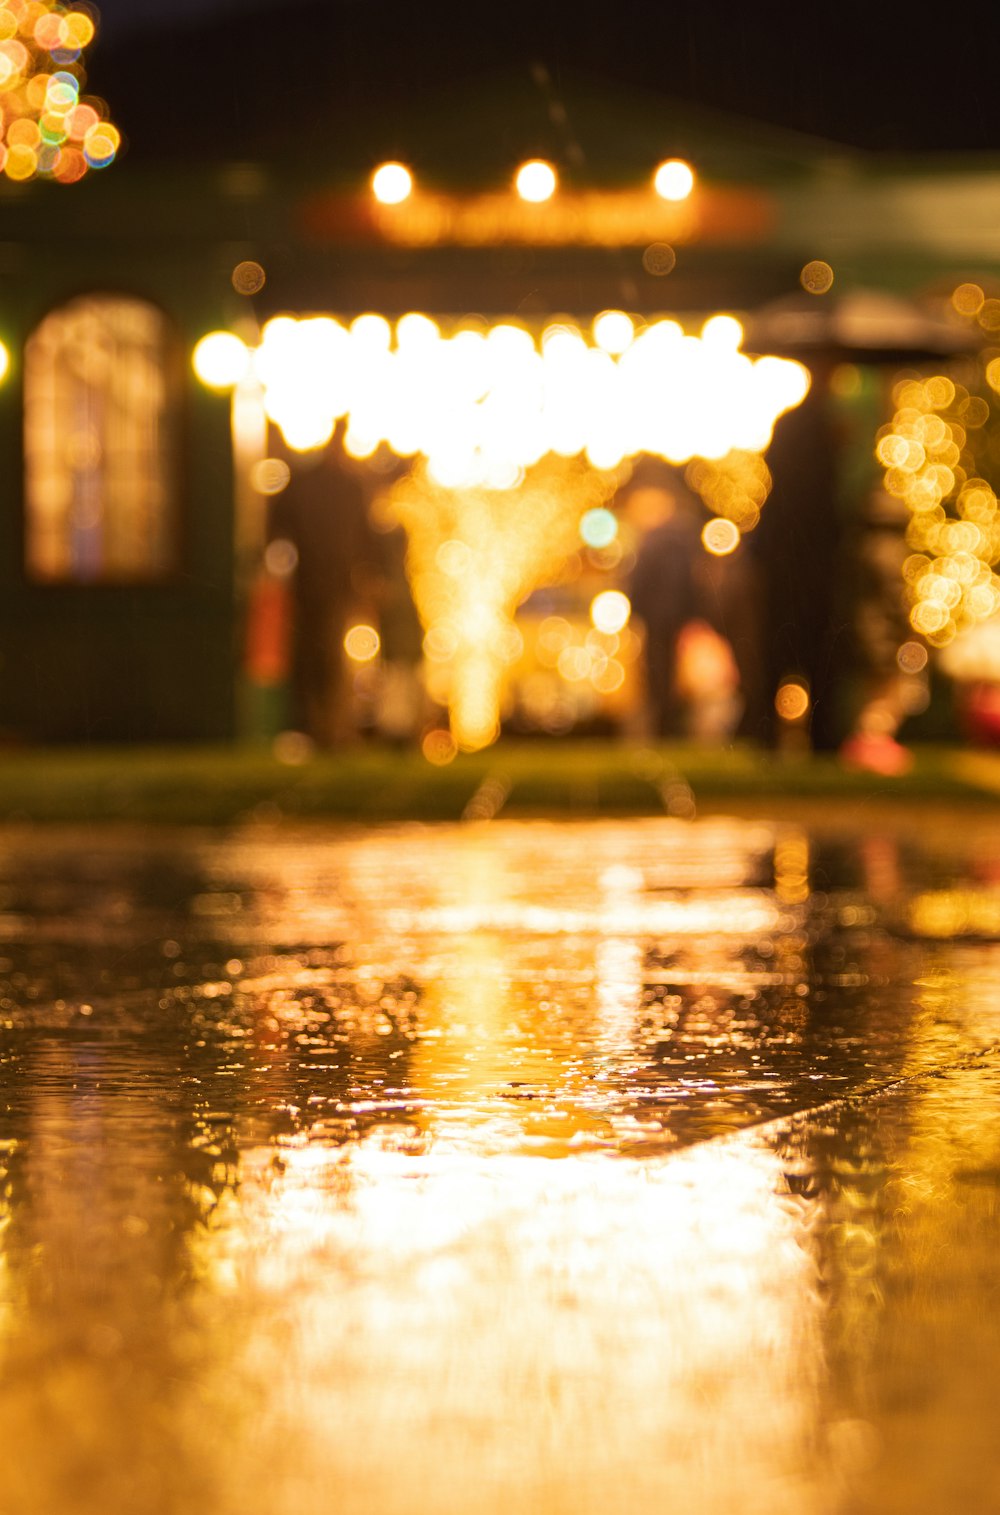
pixel 220 360
pixel 792 700
pixel 474 554
pixel 674 180
pixel 536 181
pixel 599 527
pixel 392 183
pixel 45 128
pixel 933 462
pixel 659 259
pixel 816 277
pixel 362 643
pixel 281 558
pixel 248 277
pixel 968 299
pixel 439 747
pixel 720 537
pixel 484 405
pixel 610 610
pixel 912 657
pixel 270 475
pixel 613 331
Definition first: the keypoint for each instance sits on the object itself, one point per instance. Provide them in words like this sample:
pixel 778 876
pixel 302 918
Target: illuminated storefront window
pixel 100 444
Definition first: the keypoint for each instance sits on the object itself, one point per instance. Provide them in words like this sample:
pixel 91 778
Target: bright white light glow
pixel 610 611
pixel 220 360
pixel 536 181
pixel 674 180
pixel 392 183
pixel 482 406
pixel 4 362
pixel 613 330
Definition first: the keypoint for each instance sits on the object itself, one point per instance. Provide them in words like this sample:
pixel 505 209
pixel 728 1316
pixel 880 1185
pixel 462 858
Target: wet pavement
pixel 537 1167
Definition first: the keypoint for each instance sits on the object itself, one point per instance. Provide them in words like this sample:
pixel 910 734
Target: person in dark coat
pixel 324 511
pixel 676 584
pixel 664 590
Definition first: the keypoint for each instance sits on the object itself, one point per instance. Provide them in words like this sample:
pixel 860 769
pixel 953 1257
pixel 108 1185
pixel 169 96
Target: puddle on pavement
pixel 446 1168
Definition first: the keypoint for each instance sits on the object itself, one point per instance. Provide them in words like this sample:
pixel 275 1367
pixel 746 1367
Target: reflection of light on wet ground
pixel 437 1169
pixel 519 1334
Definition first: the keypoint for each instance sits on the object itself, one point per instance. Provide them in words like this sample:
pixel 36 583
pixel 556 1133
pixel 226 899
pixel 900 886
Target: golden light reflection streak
pixel 577 1311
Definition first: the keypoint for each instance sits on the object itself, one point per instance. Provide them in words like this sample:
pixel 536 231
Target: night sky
pixel 871 75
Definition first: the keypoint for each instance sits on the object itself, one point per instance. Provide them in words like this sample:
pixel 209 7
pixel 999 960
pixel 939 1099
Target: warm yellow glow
pixel 791 701
pixel 270 475
pixel 674 180
pixel 362 643
pixel 722 331
pixel 474 553
pixel 720 536
pixel 4 362
pixel 484 405
pixel 816 277
pixel 248 277
pixel 734 486
pixel 931 464
pixel 536 181
pixel 220 360
pixel 439 747
pixel 613 331
pixel 610 611
pixel 968 299
pixel 392 183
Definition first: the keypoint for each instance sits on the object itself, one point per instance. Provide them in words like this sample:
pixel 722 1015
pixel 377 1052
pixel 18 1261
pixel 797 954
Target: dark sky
pixel 120 16
pixel 860 72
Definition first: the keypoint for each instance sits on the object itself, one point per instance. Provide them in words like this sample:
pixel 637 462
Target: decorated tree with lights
pixel 940 456
pixel 48 128
pixel 474 554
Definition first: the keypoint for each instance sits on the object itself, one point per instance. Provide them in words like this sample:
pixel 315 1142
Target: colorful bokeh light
pixel 46 129
pixel 599 527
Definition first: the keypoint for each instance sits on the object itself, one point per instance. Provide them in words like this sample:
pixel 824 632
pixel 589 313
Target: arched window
pixel 100 444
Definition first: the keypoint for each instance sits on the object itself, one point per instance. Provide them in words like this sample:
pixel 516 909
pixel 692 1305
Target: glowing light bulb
pixel 720 536
pixel 610 611
pixel 392 183
pixel 361 643
pixel 613 331
pixel 536 181
pixel 722 331
pixel 674 180
pixel 220 360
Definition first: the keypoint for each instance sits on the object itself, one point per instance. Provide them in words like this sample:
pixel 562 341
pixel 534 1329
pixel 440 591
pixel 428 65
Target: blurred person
pixel 664 591
pixel 401 705
pixel 881 627
pixel 323 511
pixel 701 613
pixel 797 549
